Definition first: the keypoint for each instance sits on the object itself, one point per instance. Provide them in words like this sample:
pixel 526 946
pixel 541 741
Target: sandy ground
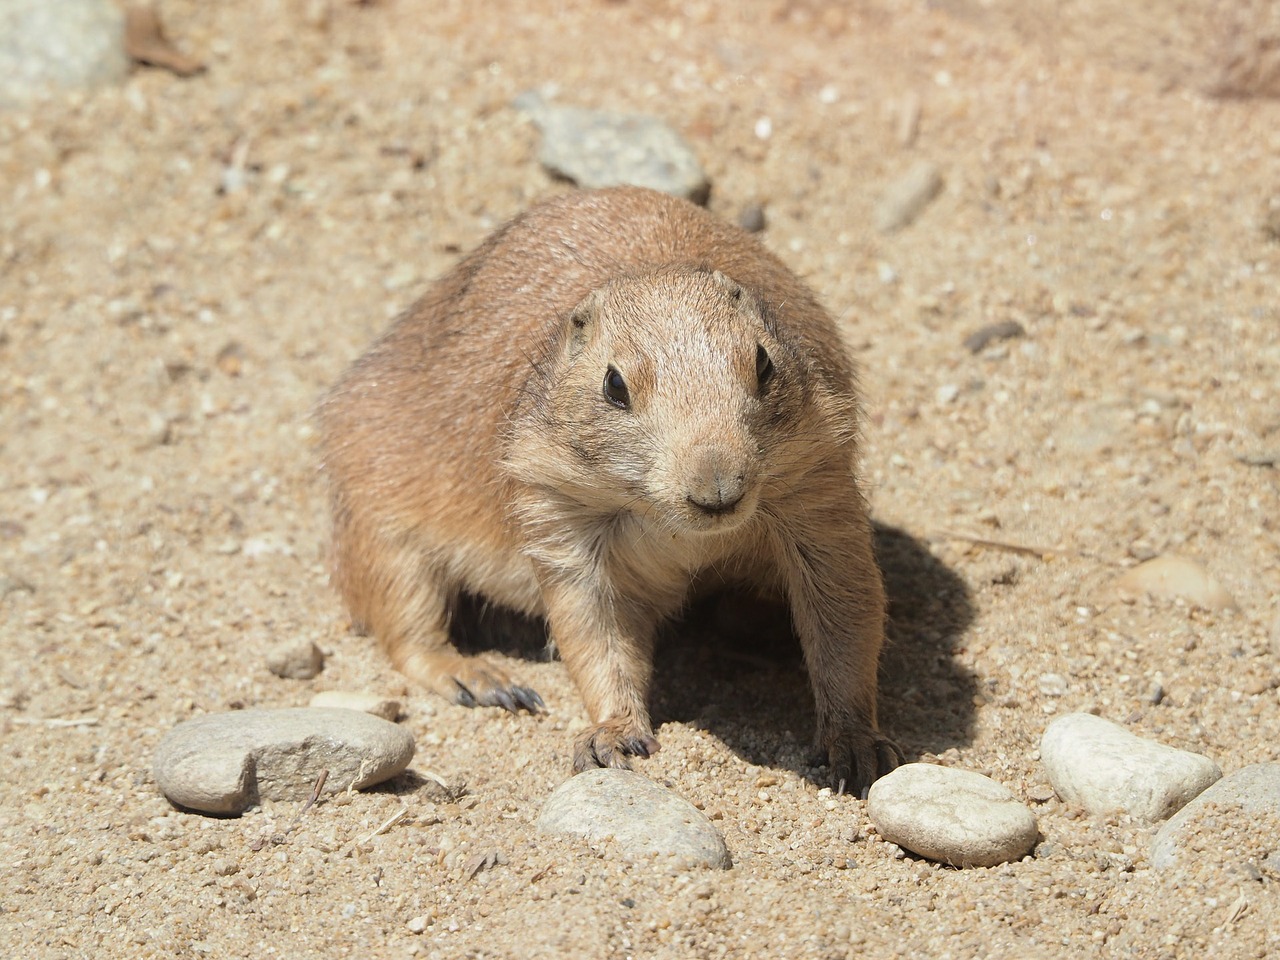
pixel 162 525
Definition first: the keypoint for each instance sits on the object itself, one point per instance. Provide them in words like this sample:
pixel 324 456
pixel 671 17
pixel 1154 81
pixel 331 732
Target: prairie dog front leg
pixel 838 608
pixel 609 655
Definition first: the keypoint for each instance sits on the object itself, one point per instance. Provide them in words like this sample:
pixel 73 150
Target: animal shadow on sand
pixel 733 667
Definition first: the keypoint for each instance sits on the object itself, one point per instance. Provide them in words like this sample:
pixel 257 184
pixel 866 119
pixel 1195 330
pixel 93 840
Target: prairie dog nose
pixel 719 489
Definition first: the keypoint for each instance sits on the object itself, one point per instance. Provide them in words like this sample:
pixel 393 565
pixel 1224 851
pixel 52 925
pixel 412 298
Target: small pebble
pixel 226 762
pixel 752 218
pixel 1241 811
pixel 1053 684
pixel 641 817
pixel 909 119
pixel 604 148
pixel 417 924
pixel 906 197
pixel 1040 793
pixel 1102 767
pixel 1171 577
pixel 953 816
pixel 384 707
pixel 296 660
pixel 978 341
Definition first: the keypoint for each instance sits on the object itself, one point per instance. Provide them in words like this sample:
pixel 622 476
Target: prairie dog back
pixel 614 397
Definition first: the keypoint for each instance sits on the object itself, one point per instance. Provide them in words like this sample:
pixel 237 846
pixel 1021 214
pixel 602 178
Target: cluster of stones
pixel 965 819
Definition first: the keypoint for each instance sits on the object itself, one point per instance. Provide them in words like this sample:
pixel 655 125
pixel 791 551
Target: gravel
pixel 1094 195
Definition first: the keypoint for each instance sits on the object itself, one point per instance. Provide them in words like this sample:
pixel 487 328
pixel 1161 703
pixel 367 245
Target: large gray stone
pixel 1235 820
pixel 50 45
pixel 953 816
pixel 1105 769
pixel 604 148
pixel 226 762
pixel 642 818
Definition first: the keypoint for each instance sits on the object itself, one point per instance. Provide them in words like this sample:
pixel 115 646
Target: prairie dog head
pixel 669 395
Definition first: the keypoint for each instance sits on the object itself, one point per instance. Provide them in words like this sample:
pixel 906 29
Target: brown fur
pixel 473 450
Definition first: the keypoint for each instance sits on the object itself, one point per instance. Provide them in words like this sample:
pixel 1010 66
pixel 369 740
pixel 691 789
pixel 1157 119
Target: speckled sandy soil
pixel 161 522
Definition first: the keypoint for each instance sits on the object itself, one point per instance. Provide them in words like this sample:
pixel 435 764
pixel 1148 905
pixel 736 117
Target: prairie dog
pixel 615 401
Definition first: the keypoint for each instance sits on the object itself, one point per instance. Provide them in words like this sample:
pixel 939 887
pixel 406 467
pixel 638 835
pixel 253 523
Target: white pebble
pixel 946 394
pixel 1053 684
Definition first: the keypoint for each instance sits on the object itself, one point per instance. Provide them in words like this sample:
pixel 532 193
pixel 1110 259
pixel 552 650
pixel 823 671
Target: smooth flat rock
pixel 226 762
pixel 387 708
pixel 642 818
pixel 50 45
pixel 1104 768
pixel 1176 578
pixel 603 148
pixel 1235 820
pixel 953 816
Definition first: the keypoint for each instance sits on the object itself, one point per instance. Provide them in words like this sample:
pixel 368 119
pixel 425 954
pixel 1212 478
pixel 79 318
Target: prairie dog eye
pixel 615 389
pixel 764 366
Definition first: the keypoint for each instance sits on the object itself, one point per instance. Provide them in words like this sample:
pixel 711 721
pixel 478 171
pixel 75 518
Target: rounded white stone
pixel 953 816
pixel 642 818
pixel 1104 768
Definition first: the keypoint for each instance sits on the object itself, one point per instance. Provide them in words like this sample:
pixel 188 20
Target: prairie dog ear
pixel 729 285
pixel 745 300
pixel 581 319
